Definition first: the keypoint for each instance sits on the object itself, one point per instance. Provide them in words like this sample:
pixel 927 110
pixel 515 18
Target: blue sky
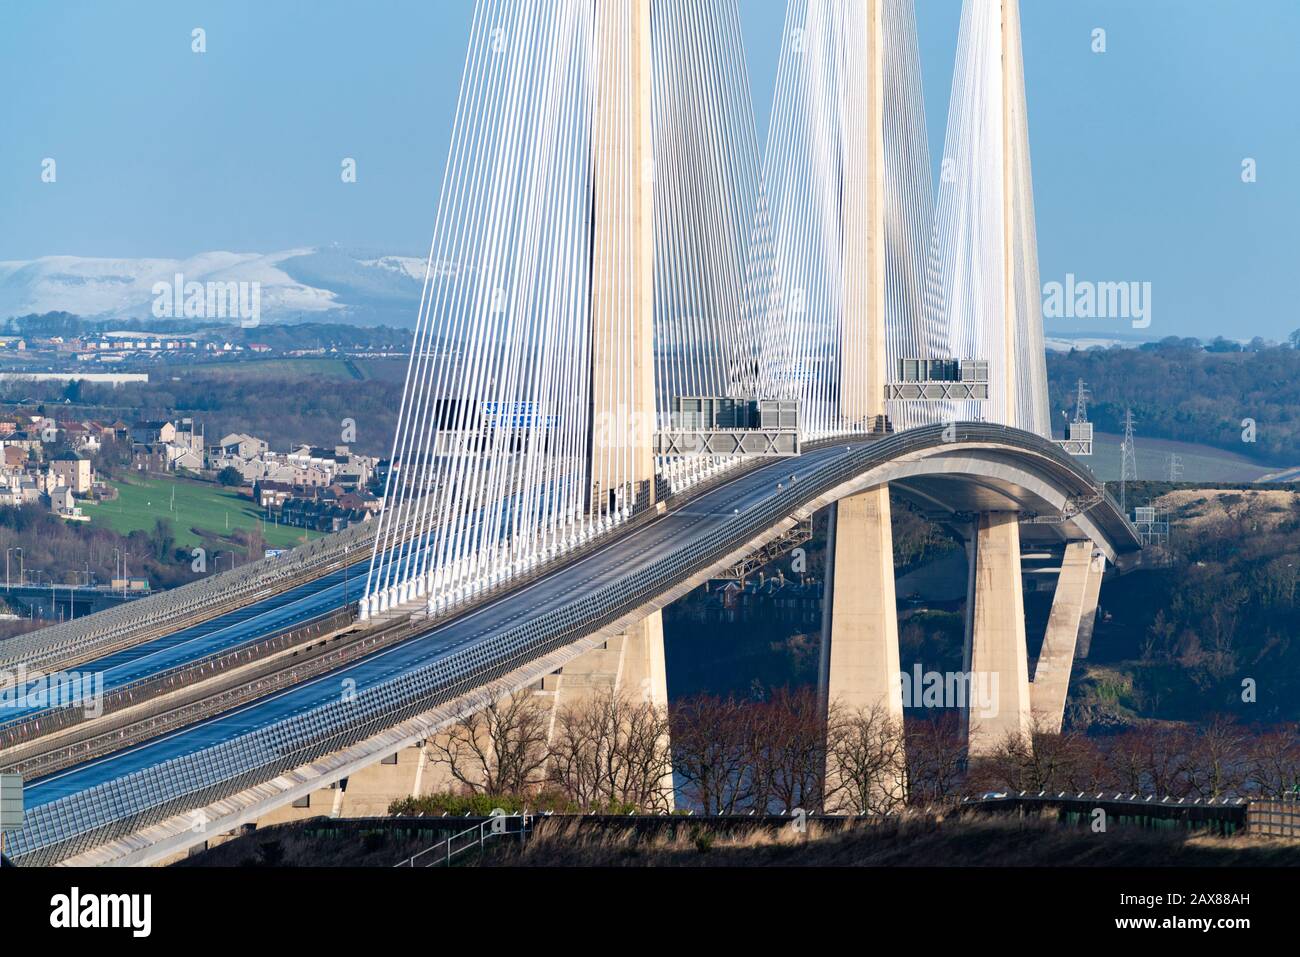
pixel 161 152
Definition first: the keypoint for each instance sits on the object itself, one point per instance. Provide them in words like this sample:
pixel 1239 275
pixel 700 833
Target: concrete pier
pixel 861 617
pixel 1088 616
pixel 996 656
pixel 1080 576
pixel 860 637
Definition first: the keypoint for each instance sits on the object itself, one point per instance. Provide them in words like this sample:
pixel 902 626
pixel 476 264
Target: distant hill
pixel 321 284
pixel 1243 400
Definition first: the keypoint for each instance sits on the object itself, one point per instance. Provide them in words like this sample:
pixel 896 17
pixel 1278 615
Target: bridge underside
pixel 954 503
pixel 954 486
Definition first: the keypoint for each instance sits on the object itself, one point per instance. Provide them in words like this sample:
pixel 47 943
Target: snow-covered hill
pixel 321 283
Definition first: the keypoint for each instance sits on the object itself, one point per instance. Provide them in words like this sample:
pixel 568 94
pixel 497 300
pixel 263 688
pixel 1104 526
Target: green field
pixel 188 505
pixel 1201 463
pixel 278 369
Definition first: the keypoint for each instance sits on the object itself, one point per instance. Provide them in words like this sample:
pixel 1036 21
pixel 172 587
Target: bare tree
pixel 1065 761
pixel 866 771
pixel 710 742
pixel 1215 763
pixel 787 751
pixel 1125 763
pixel 1163 751
pixel 936 760
pixel 1044 761
pixel 499 747
pixel 1274 759
pixel 608 749
pixel 1149 760
pixel 1003 768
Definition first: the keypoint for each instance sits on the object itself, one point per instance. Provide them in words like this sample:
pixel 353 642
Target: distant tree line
pixel 1181 389
pixel 298 335
pixel 282 407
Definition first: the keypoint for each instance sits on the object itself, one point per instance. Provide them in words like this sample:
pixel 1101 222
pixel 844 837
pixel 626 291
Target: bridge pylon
pixel 860 618
pixel 622 475
pixel 622 272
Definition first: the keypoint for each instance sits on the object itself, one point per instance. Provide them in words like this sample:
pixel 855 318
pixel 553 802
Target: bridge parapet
pixel 142 618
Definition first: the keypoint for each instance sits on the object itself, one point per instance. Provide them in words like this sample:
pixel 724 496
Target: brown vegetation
pixel 784 752
pixel 913 839
pixel 1220 759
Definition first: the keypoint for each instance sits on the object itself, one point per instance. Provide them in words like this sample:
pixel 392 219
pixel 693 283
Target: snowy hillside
pixel 322 283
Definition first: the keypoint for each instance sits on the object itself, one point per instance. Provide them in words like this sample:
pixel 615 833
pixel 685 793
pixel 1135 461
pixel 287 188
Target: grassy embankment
pixel 920 840
pixel 199 512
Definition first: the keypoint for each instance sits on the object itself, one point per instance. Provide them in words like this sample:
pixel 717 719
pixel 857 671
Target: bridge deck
pixel 261 619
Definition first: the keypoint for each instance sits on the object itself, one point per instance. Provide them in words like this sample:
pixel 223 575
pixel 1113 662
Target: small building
pixel 151 433
pixel 65 506
pixel 239 445
pixel 150 457
pixel 73 472
pixel 80 436
pixel 270 495
pixel 320 515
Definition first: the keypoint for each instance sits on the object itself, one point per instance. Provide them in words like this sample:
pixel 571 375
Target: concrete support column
pixel 1052 672
pixel 996 658
pixel 861 615
pixel 1088 616
pixel 860 634
pixel 645 677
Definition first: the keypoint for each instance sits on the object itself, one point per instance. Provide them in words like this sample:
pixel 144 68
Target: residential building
pixel 151 433
pixel 73 471
pixel 65 506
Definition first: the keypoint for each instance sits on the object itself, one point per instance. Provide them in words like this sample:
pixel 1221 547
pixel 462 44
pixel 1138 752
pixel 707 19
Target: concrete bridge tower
pixel 860 629
pixel 860 623
pixel 622 273
pixel 995 633
pixel 622 331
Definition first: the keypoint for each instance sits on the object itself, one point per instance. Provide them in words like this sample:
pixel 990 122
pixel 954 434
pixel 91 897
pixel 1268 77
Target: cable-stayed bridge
pixel 645 349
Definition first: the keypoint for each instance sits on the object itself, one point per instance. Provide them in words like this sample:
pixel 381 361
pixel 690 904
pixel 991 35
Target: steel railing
pixel 57 718
pixel 92 636
pixel 451 847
